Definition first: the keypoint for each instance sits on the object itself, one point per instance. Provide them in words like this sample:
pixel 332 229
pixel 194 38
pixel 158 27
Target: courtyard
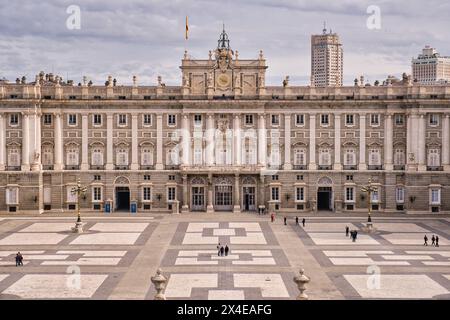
pixel 118 254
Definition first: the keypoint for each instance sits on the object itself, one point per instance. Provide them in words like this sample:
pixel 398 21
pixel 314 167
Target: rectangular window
pixel 375 119
pixel 275 119
pixel 146 194
pixel 275 194
pixel 400 195
pixel 96 194
pixel 171 119
pixel 147 177
pixel 435 196
pixel 13 119
pixel 248 119
pixel 275 177
pixel 122 120
pixel 12 196
pixel 349 178
pixel 47 119
pixel 198 119
pixel 375 197
pixel 171 178
pixel 147 119
pixel 434 120
pixel 300 193
pixel 349 194
pixel 324 120
pixel 300 119
pixel 399 119
pixel 97 119
pixel 72 119
pixel 349 120
pixel 71 197
pixel 171 194
pixel 97 177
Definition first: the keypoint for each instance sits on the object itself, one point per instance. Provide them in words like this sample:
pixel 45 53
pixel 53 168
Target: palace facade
pixel 224 141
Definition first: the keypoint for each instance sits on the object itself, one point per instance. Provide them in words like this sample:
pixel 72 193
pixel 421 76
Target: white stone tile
pixel 447 276
pixel 411 239
pixel 84 262
pixel 248 226
pixel 55 286
pixel 226 295
pixel 251 238
pixel 224 232
pixel 398 286
pixel 400 227
pixel 195 253
pixel 365 262
pixel 94 253
pixel 255 261
pixel 436 263
pixel 180 285
pixel 3 276
pixel 197 238
pixel 107 238
pixel 228 257
pixel 407 257
pixel 340 239
pixel 199 226
pixel 45 257
pixel 193 261
pixel 7 253
pixel 255 253
pixel 119 227
pixel 441 253
pixel 354 253
pixel 48 227
pixel 32 238
pixel 12 263
pixel 271 285
pixel 328 227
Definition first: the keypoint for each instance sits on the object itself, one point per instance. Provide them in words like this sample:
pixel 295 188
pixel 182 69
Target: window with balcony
pixel 399 159
pixel 299 157
pixel 72 158
pixel 97 157
pixel 14 157
pixel 122 157
pixel 350 157
pixel 399 194
pixel 433 158
pixel 375 158
pixel 325 157
pixel 147 156
pixel 435 196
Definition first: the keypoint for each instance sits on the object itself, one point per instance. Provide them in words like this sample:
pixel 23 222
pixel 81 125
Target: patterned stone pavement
pixel 116 256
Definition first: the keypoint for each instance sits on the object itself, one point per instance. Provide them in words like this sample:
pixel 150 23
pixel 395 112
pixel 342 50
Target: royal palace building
pixel 224 141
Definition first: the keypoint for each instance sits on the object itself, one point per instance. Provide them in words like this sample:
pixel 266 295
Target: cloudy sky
pixel 146 37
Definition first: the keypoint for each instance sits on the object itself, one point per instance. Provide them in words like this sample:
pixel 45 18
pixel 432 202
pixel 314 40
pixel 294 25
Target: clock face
pixel 223 80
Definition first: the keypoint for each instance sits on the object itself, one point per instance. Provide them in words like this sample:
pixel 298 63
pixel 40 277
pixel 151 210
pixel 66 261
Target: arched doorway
pixel 198 194
pixel 223 194
pixel 249 194
pixel 325 194
pixel 122 194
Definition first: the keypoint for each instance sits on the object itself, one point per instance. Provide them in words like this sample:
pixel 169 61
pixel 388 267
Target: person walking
pixel 437 241
pixel 303 222
pixel 218 249
pixel 353 235
pixel 347 230
pixel 284 220
pixel 226 250
pixel 272 217
pixel 296 221
pixel 356 234
pixel 17 259
pixel 433 239
pixel 425 240
pixel 222 251
pixel 20 259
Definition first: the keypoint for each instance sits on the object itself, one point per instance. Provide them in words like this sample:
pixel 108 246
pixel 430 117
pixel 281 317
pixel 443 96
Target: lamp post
pixel 369 189
pixel 80 191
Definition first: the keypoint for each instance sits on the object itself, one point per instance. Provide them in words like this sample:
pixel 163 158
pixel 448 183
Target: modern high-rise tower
pixel 430 67
pixel 326 60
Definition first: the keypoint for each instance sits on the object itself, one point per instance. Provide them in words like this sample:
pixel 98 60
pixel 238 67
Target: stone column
pixel 287 142
pixel 25 142
pixel 446 142
pixel 185 206
pixel 237 140
pixel 262 200
pixel 408 139
pixel 237 200
pixel 312 142
pixel 2 143
pixel 388 147
pixel 420 147
pixel 362 142
pixel 262 140
pixel 36 133
pixel 58 143
pixel 337 142
pixel 209 150
pixel 159 142
pixel 134 142
pixel 186 143
pixel 85 142
pixel 210 206
pixel 109 142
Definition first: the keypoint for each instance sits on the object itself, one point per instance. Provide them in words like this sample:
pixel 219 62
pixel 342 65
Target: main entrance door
pixel 324 198
pixel 223 198
pixel 198 198
pixel 249 198
pixel 122 199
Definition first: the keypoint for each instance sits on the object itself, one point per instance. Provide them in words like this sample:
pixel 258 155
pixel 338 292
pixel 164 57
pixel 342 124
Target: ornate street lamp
pixel 80 191
pixel 369 189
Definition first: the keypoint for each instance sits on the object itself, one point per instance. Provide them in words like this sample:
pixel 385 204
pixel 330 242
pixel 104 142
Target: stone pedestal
pixel 78 227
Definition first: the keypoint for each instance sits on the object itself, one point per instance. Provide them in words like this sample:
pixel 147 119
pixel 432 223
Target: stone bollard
pixel 160 282
pixel 301 282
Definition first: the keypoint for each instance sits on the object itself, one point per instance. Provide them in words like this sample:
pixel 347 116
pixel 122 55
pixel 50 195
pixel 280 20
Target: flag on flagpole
pixel 187 28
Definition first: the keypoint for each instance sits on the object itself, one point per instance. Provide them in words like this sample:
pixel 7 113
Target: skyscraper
pixel 326 60
pixel 431 68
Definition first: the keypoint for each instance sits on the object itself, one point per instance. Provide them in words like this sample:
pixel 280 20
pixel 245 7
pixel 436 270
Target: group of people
pixel 434 240
pixel 19 259
pixel 222 251
pixel 353 233
pixel 272 218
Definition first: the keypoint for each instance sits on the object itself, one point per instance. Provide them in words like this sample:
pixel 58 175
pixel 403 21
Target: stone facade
pixel 224 141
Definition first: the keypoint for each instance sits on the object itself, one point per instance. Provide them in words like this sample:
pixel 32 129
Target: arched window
pixel 122 157
pixel 399 157
pixel 172 157
pixel 350 157
pixel 147 156
pixel 14 157
pixel 249 151
pixel 72 156
pixel 433 158
pixel 374 157
pixel 47 156
pixel 97 157
pixel 324 157
pixel 299 157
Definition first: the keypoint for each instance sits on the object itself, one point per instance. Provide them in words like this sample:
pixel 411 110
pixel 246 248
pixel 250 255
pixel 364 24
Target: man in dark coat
pixel 222 250
pixel 437 241
pixel 347 230
pixel 296 220
pixel 284 220
pixel 433 239
pixel 425 240
pixel 226 250
pixel 303 222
